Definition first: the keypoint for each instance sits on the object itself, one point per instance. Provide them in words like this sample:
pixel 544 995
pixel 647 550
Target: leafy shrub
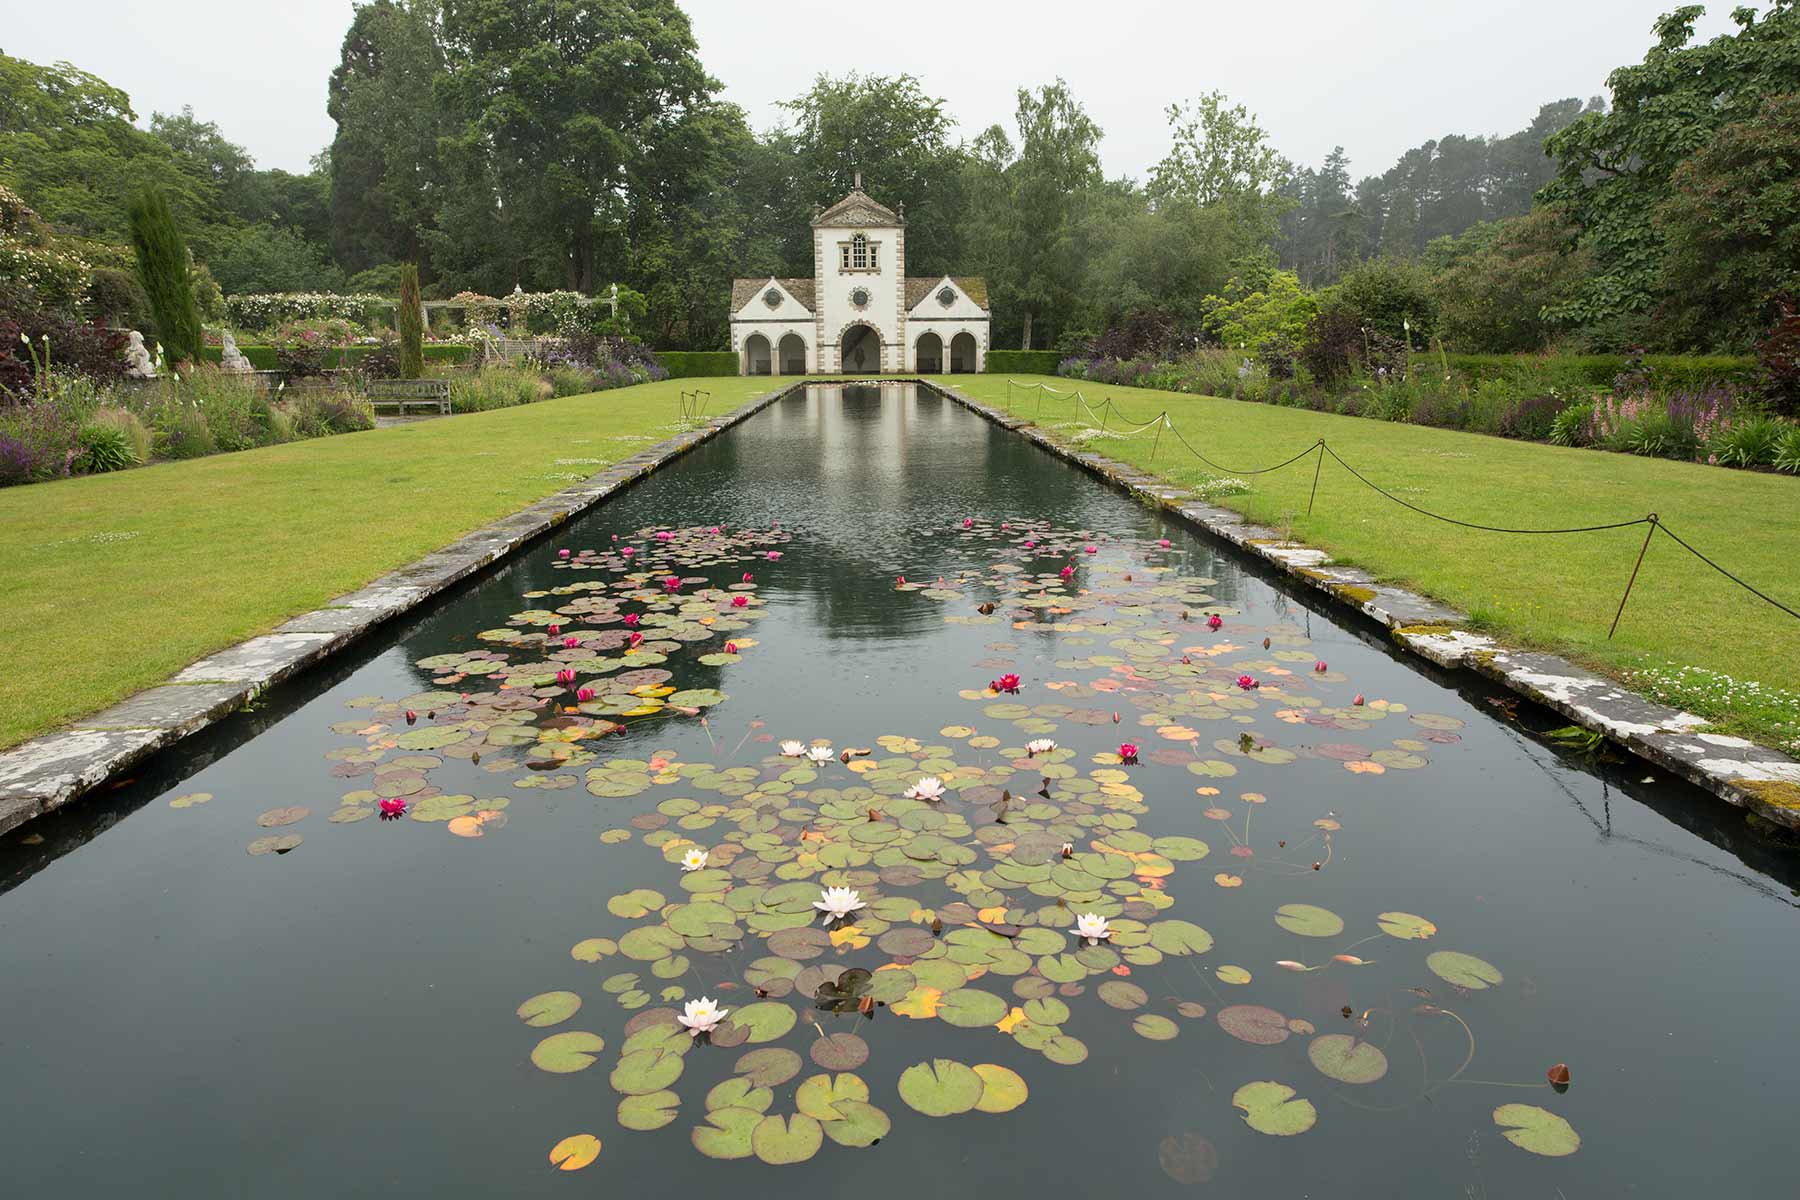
pixel 137 435
pixel 1570 426
pixel 381 361
pixel 1533 418
pixel 1751 442
pixel 1277 355
pixel 106 446
pixel 1004 362
pixel 1332 345
pixel 302 357
pixel 573 381
pixel 1387 295
pixel 1656 433
pixel 36 442
pixel 1778 356
pixel 1787 452
pixel 320 412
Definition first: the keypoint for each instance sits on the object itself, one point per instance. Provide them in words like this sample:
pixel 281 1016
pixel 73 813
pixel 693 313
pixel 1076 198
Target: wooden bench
pixel 404 392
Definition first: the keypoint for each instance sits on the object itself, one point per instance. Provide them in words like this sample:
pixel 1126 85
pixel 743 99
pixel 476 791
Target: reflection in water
pixel 316 1022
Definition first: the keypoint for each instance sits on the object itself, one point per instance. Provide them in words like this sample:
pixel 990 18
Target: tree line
pixel 543 144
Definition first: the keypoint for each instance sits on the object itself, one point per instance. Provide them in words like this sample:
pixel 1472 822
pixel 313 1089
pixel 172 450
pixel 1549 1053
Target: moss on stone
pixel 1426 630
pixel 1353 593
pixel 1771 792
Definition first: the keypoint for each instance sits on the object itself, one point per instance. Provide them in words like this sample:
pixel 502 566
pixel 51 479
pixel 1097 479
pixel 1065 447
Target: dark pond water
pixel 184 1018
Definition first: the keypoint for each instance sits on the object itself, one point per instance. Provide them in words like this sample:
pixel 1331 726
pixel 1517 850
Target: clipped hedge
pixel 1598 370
pixel 1022 362
pixel 263 357
pixel 693 364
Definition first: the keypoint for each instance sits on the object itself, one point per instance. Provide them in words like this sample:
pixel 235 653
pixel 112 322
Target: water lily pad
pixel 277 817
pixel 1309 920
pixel 769 1067
pixel 650 1111
pixel 191 799
pixel 1254 1023
pixel 1536 1129
pixel 941 1087
pixel 1463 970
pixel 635 903
pixel 727 1133
pixel 970 1008
pixel 593 949
pixel 549 1008
pixel 645 1071
pixel 819 1094
pixel 565 1053
pixel 840 1052
pixel 1272 1108
pixel 782 1141
pixel 1064 1050
pixel 859 1124
pixel 1154 1027
pixel 1003 1088
pixel 1405 925
pixel 273 845
pixel 1187 1158
pixel 696 698
pixel 1347 1059
pixel 766 1021
pixel 1180 938
pixel 740 1092
pixel 575 1152
pixel 1120 993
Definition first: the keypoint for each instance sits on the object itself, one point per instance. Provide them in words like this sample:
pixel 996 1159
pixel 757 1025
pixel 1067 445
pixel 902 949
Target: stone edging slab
pixel 47 772
pixel 1750 776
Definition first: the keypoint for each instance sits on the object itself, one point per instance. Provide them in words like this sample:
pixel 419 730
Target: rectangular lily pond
pixel 741 840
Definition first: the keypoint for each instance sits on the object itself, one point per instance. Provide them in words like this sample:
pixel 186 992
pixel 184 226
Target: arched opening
pixel 861 351
pixel 792 354
pixel 962 353
pixel 930 354
pixel 756 355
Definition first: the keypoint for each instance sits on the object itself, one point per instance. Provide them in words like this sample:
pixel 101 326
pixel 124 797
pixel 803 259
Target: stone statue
pixel 137 358
pixel 231 358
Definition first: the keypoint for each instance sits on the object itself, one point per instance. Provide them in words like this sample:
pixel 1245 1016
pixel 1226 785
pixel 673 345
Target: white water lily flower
pixel 1040 746
pixel 837 902
pixel 928 788
pixel 793 749
pixel 820 755
pixel 701 1016
pixel 693 860
pixel 1092 926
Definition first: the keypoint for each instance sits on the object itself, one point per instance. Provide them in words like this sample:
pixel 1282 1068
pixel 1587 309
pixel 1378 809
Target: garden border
pixel 1735 769
pixel 47 772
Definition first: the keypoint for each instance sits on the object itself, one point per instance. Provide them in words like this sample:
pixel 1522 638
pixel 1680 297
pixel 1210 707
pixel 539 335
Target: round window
pixel 860 297
pixel 947 297
pixel 772 297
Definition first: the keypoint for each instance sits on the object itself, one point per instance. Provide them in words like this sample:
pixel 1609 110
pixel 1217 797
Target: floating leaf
pixel 859 1124
pixel 1309 920
pixel 1065 1051
pixel 1180 937
pixel 1003 1089
pixel 274 845
pixel 644 1071
pixel 650 1111
pixel 575 1152
pixel 1463 970
pixel 1254 1024
pixel 769 1067
pixel 1538 1130
pixel 565 1053
pixel 1120 994
pixel 1187 1158
pixel 840 1052
pixel 1347 1059
pixel 818 1095
pixel 549 1008
pixel 765 1021
pixel 635 903
pixel 1232 974
pixel 593 949
pixel 1272 1108
pixel 970 1008
pixel 941 1087
pixel 727 1133
pixel 740 1092
pixel 921 1003
pixel 191 799
pixel 781 1142
pixel 1154 1027
pixel 1405 925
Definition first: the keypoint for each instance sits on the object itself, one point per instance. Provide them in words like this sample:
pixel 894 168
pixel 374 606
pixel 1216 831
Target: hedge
pixel 1598 370
pixel 1022 362
pixel 692 364
pixel 263 357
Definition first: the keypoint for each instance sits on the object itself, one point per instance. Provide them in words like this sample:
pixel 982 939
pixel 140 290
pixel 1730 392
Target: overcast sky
pixel 1376 77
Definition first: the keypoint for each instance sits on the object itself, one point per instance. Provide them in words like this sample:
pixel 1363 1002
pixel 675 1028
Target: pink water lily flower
pixel 1030 545
pixel 634 639
pixel 1128 752
pixel 1247 682
pixel 627 552
pixel 1320 665
pixel 571 642
pixel 899 581
pixel 562 554
pixel 968 521
pixel 774 554
pixel 1359 700
pixel 554 630
pixel 746 578
pixel 584 695
pixel 1092 549
pixel 1067 571
pixel 566 676
pixel 1214 621
pixel 1163 542
pixel 731 648
pixel 672 583
pixel 393 808
pixel 631 618
pixel 740 601
pixel 1008 683
pixel 411 716
pixel 1005 525
pixel 716 529
pixel 663 535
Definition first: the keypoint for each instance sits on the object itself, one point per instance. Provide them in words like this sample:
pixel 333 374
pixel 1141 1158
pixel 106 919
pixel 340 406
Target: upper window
pixel 947 296
pixel 860 297
pixel 772 297
pixel 858 254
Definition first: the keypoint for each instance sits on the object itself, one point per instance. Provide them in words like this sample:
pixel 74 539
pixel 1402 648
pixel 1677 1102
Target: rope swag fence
pixel 1320 449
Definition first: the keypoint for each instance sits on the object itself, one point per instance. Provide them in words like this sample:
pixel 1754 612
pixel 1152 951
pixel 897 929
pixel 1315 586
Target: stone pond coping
pixel 1750 776
pixel 47 772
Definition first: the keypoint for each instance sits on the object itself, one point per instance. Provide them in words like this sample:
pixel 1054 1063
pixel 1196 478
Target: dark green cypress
pixel 162 263
pixel 411 320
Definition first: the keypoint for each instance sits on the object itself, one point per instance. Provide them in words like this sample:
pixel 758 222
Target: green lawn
pixel 112 583
pixel 1557 593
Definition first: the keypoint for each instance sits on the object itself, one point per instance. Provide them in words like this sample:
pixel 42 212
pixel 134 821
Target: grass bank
pixel 1686 625
pixel 112 583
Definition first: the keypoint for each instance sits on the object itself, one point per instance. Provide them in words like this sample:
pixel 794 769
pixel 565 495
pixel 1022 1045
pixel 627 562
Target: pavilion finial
pixel 858 184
